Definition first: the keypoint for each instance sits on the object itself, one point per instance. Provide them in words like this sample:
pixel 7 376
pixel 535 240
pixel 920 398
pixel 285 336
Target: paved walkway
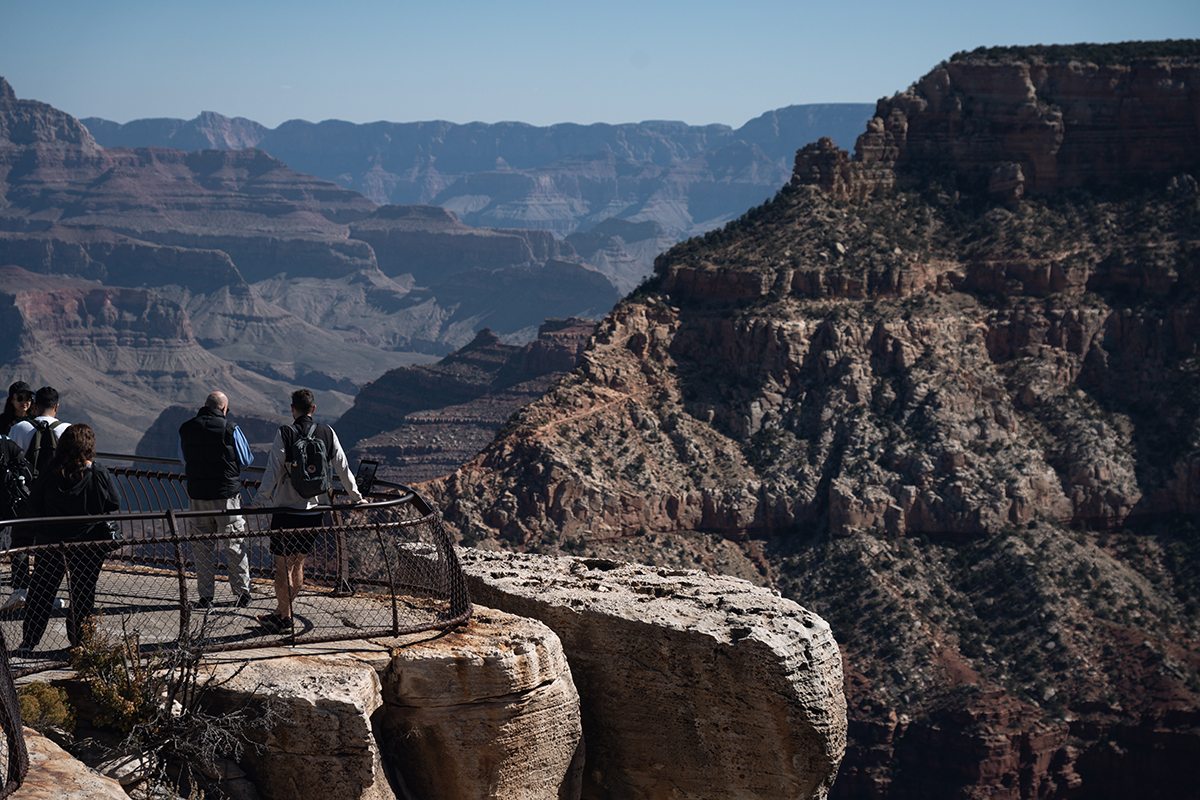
pixel 144 602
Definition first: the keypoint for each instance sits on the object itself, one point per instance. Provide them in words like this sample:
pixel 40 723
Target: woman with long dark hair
pixel 72 486
pixel 17 407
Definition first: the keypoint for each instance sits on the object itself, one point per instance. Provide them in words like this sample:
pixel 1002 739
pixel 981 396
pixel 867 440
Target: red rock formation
pixel 897 392
pixel 422 422
pixel 1022 126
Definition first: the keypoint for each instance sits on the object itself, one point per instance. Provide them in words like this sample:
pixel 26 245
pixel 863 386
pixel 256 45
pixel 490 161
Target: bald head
pixel 217 400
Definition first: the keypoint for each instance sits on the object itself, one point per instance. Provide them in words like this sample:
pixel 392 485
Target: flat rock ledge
pixel 691 685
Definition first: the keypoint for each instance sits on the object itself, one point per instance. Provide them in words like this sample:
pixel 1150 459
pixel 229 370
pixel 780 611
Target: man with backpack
pixel 38 440
pixel 299 475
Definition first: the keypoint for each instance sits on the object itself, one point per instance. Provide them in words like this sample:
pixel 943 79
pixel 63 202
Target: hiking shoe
pixel 15 600
pixel 243 600
pixel 275 623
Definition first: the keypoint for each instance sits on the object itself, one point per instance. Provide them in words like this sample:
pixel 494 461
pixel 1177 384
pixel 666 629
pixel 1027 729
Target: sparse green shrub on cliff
pixel 1100 54
pixel 44 707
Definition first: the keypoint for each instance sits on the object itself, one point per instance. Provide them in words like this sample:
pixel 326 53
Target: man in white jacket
pixel 277 489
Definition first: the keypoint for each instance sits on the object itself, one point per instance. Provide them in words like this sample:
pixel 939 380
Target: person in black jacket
pixel 214 450
pixel 71 486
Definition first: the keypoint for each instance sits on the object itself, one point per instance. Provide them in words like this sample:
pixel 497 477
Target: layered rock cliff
pixel 902 349
pixel 1048 120
pixel 422 422
pixel 112 353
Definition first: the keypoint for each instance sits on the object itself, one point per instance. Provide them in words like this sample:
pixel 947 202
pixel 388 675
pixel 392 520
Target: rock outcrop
pixel 622 682
pixel 691 685
pixel 486 710
pixel 490 711
pixel 1035 124
pixel 56 775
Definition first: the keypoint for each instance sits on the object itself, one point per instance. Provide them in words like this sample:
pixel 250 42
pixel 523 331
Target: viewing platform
pixel 381 568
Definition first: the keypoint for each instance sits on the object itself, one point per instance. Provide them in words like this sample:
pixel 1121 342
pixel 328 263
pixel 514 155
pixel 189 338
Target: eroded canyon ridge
pixel 945 392
pixel 136 279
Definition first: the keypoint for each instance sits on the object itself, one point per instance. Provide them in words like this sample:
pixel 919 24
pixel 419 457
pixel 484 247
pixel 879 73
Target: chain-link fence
pixel 380 569
pixel 14 756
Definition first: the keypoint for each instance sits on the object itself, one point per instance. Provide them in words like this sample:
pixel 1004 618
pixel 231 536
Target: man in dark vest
pixel 214 450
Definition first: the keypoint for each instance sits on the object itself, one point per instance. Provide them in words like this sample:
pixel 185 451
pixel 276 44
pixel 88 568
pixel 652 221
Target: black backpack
pixel 308 463
pixel 18 479
pixel 43 445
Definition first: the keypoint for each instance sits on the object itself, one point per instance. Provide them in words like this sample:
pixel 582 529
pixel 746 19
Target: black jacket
pixel 12 460
pixel 210 457
pixel 56 496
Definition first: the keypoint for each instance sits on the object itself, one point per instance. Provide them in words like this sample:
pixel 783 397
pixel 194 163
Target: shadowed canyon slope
pixel 912 386
pixel 423 421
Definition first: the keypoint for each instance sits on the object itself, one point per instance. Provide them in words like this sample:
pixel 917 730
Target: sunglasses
pixel 23 398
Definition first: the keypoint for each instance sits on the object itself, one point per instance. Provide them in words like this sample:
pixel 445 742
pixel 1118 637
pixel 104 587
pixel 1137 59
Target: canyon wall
pixel 946 391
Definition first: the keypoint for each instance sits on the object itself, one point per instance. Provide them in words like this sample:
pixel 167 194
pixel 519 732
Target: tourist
pixel 45 427
pixel 17 407
pixel 278 489
pixel 72 486
pixel 214 450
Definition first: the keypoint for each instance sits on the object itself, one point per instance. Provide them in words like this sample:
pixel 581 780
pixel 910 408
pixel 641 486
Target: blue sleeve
pixel 245 457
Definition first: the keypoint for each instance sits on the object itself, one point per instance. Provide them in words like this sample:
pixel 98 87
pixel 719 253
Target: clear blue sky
pixel 536 61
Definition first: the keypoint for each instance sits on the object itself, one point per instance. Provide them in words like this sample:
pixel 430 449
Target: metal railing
pixel 382 568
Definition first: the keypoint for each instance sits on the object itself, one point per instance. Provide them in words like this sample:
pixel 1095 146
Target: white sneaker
pixel 16 600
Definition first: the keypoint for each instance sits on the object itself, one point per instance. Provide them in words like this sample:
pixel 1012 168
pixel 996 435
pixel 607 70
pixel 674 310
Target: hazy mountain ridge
pixel 561 178
pixel 895 384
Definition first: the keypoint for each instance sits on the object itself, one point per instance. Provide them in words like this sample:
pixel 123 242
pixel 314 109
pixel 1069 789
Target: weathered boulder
pixel 324 738
pixel 691 685
pixel 54 774
pixel 486 710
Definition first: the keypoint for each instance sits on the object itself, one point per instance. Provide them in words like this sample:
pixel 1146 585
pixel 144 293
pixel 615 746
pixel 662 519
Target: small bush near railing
pixel 44 707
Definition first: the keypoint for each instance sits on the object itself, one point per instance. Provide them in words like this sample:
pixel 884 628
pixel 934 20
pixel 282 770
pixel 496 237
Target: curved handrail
pixel 380 568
